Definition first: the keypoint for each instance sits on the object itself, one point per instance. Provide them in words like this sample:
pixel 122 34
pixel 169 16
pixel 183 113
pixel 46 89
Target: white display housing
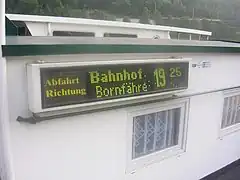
pixel 35 94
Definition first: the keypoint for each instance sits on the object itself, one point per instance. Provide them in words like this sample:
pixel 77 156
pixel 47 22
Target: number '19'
pixel 160 78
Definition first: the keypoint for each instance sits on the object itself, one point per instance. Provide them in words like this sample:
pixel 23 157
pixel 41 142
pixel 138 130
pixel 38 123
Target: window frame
pixel 155 157
pixel 235 127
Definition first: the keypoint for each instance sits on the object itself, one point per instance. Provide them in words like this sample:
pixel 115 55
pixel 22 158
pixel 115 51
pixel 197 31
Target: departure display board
pixel 62 86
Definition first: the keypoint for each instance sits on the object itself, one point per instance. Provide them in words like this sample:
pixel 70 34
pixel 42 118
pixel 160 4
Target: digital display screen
pixel 62 86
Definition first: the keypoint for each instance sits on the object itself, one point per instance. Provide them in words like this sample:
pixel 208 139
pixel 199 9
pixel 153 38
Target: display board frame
pixel 35 85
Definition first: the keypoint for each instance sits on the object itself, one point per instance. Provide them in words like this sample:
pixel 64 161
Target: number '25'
pixel 175 72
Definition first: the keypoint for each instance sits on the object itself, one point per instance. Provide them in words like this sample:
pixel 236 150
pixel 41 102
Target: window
pixel 156 132
pixel 231 112
pixel 120 35
pixel 70 33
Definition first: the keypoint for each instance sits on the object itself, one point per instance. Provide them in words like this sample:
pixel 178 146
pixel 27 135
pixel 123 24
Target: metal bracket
pixel 36 118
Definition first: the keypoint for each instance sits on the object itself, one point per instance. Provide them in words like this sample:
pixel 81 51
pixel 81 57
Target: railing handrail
pixel 118 24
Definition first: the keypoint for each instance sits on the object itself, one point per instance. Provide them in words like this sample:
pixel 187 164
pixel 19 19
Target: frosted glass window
pixel 156 131
pixel 231 111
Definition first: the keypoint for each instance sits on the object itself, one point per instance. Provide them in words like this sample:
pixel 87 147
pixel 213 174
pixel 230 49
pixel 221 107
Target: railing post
pixel 190 36
pixel 49 29
pixel 178 35
pixel 6 170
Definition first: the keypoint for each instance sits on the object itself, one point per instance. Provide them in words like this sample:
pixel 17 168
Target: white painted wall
pixel 94 146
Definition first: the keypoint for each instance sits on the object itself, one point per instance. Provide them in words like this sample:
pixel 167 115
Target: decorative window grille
pixel 231 111
pixel 156 131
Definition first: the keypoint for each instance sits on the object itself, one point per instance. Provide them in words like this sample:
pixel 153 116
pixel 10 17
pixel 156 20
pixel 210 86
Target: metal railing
pixel 48 25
